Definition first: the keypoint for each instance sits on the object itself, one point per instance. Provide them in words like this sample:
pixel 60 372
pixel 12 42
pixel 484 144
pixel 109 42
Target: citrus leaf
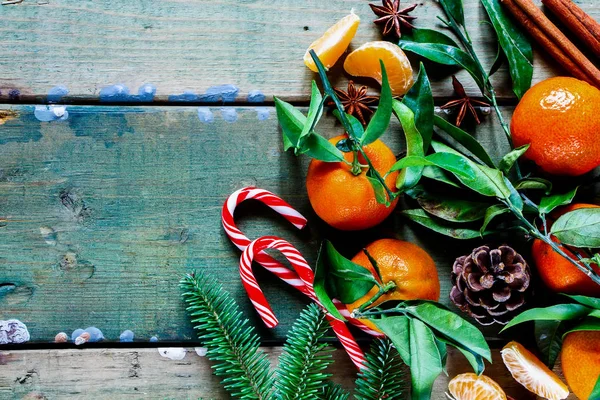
pixel 422 35
pixel 515 197
pixel 320 286
pixel 534 184
pixel 515 45
pixel 446 55
pixel 438 174
pixel 291 121
pixel 454 9
pixel 509 159
pixel 351 281
pixel 491 213
pixel 320 148
pixel 586 301
pixel 466 140
pixel 381 119
pixel 450 325
pixel 549 203
pixel 596 391
pixel 559 312
pixel 420 100
pixel 397 329
pixel 475 360
pixel 426 361
pixel 354 122
pixel 409 176
pixel 548 336
pixel 448 207
pixel 579 228
pixel 437 225
pixel 378 189
pixel 315 110
pixel 587 324
pixel 453 163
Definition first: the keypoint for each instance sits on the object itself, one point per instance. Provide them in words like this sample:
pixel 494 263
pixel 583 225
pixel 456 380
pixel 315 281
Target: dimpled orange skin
pixel 407 265
pixel 580 360
pixel 560 118
pixel 346 201
pixel 558 273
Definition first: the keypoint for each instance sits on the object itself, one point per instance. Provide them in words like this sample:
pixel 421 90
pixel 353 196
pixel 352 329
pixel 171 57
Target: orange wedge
pixel 333 43
pixel 530 372
pixel 469 386
pixel 364 61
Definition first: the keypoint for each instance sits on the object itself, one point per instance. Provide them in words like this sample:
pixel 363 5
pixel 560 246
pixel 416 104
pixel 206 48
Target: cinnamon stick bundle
pixel 553 40
pixel 581 24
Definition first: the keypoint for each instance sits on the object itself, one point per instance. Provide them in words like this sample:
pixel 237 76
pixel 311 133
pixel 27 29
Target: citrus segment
pixel 333 43
pixel 469 386
pixel 580 360
pixel 364 61
pixel 530 372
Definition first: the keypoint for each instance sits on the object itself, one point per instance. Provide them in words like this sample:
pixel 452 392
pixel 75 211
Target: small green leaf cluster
pixel 553 323
pixel 233 346
pixel 420 330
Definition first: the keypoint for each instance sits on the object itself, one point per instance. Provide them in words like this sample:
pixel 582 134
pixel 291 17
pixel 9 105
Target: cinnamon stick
pixel 586 28
pixel 553 40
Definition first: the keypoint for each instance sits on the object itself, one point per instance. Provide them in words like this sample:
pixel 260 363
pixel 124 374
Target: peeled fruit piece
pixel 364 61
pixel 469 386
pixel 333 43
pixel 530 372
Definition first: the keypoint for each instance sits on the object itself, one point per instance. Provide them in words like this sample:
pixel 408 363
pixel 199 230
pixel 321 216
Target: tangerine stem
pixel 383 289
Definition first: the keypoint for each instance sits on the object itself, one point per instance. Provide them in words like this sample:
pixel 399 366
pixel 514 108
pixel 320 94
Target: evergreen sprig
pixel 334 391
pixel 231 341
pixel 301 367
pixel 384 375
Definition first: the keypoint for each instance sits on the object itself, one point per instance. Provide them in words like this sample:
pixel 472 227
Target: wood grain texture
pixel 143 373
pixel 101 214
pixel 180 45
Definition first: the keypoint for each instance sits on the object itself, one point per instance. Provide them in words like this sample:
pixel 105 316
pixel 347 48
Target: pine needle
pixel 384 374
pixel 231 341
pixel 334 392
pixel 301 367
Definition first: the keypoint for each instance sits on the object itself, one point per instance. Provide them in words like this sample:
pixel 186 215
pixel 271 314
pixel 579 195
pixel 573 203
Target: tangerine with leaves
pixel 558 273
pixel 347 201
pixel 580 360
pixel 560 119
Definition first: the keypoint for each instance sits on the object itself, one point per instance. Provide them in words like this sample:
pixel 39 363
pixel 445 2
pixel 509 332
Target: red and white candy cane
pixel 305 274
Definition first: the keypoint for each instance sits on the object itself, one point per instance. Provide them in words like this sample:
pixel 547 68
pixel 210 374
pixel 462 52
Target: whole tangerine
pixel 558 273
pixel 560 119
pixel 580 360
pixel 346 201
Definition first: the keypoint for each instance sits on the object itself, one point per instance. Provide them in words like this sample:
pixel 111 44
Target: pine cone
pixel 490 285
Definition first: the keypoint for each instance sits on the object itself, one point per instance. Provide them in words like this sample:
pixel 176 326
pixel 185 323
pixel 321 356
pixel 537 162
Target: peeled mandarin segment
pixel 333 43
pixel 530 372
pixel 364 61
pixel 469 386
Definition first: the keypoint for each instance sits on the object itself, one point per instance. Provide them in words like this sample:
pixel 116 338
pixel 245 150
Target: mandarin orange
pixel 580 360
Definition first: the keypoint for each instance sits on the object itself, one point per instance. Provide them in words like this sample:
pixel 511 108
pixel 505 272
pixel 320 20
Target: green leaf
pixel 534 184
pixel 508 161
pixel 443 350
pixel 447 207
pixel 515 45
pixel 320 286
pixel 426 362
pixel 453 163
pixel 409 176
pixel 381 119
pixel 491 213
pixel 438 174
pixel 291 121
pixel 422 218
pixel 475 360
pixel 446 55
pixel 454 9
pixel 466 140
pixel 397 329
pixel 498 61
pixel 559 312
pixel 354 122
pixel 595 259
pixel 548 335
pixel 596 391
pixel 515 197
pixel 344 145
pixel 549 203
pixel 351 281
pixel 579 228
pixel 315 110
pixel 316 146
pixel 450 325
pixel 587 324
pixel 421 35
pixel 378 189
pixel 586 301
pixel 420 100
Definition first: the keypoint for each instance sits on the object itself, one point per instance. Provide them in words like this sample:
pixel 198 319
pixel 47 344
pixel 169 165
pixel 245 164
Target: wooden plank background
pixel 184 45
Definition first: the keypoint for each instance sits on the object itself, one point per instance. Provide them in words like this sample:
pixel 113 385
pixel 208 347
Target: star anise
pixel 464 102
pixel 356 101
pixel 393 17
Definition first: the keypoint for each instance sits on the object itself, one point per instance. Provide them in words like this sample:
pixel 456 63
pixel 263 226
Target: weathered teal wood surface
pixel 102 212
pixel 184 45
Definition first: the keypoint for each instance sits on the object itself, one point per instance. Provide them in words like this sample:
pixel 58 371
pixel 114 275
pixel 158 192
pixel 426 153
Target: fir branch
pixel 231 341
pixel 334 391
pixel 384 375
pixel 300 374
